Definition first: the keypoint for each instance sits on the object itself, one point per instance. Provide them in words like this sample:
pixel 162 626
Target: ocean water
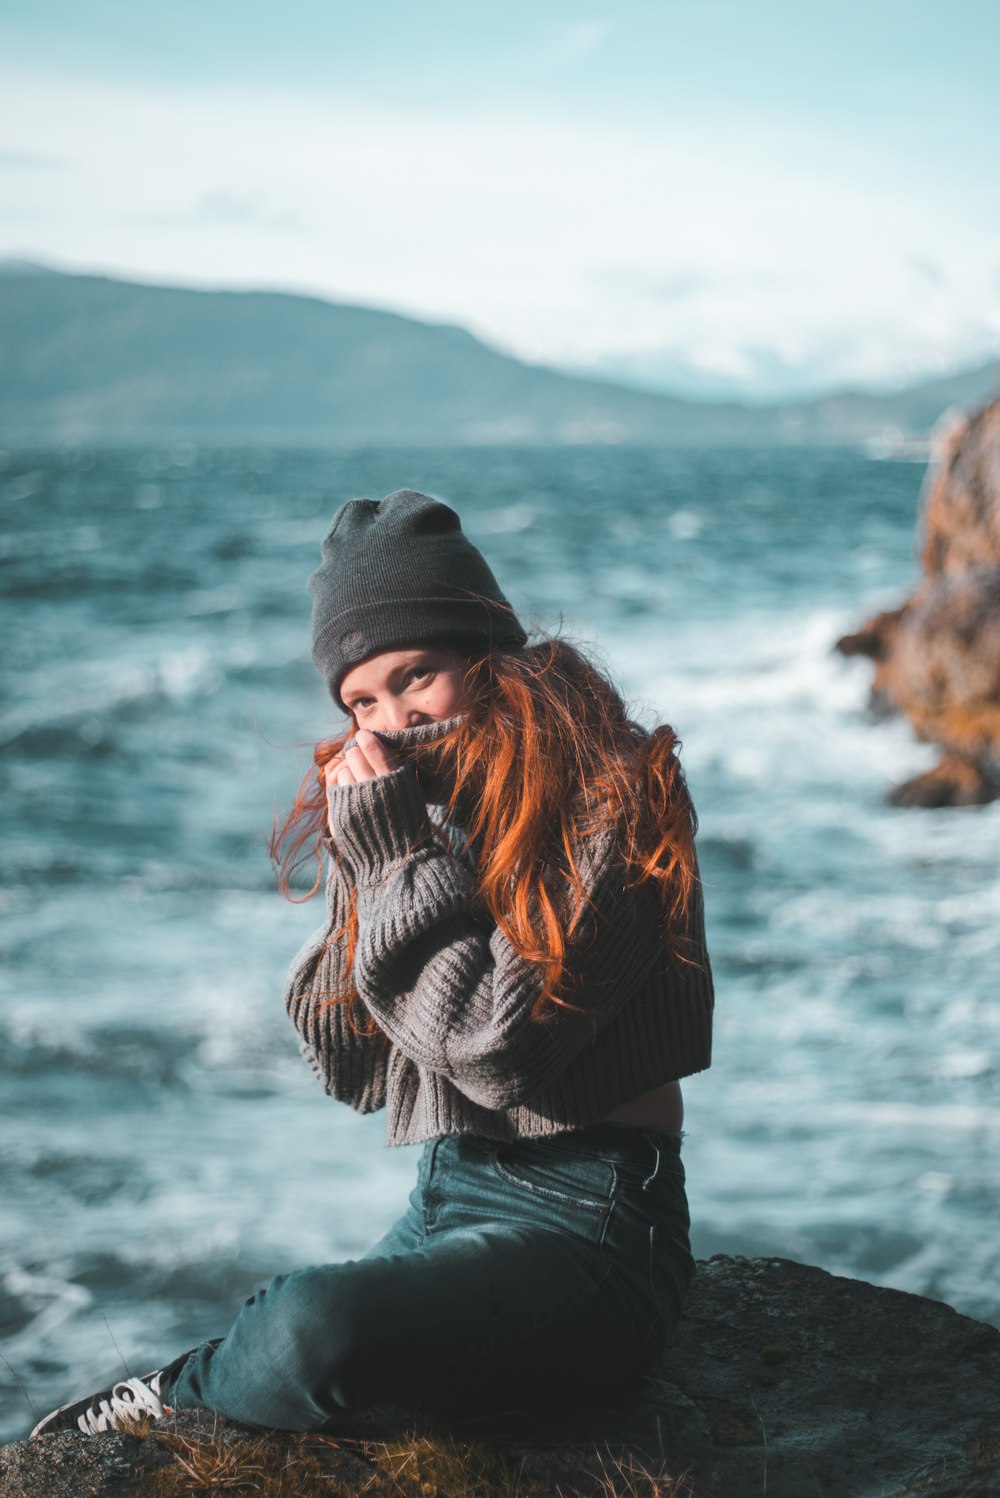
pixel 164 1148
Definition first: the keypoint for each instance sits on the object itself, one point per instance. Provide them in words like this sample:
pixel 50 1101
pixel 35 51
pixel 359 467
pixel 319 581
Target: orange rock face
pixel 937 656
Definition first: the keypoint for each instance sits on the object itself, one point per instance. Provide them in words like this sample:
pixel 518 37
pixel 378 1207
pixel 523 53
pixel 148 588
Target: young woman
pixel 513 966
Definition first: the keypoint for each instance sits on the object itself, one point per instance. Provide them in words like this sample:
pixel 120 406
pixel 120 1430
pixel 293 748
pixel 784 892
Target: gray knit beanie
pixel 401 572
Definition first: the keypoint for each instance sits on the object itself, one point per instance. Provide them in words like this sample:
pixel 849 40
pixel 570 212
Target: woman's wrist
pixel 376 824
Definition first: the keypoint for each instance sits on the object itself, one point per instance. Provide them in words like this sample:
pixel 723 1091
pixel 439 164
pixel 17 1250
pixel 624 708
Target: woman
pixel 513 965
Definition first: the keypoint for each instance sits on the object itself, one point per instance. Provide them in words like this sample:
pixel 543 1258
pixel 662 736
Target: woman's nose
pixel 398 715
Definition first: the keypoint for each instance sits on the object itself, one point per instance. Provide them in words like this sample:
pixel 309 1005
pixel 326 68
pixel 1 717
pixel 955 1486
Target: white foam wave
pixel 50 1301
pixel 176 676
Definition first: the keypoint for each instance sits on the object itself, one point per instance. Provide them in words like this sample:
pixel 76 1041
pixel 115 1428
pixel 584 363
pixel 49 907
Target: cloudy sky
pixel 758 197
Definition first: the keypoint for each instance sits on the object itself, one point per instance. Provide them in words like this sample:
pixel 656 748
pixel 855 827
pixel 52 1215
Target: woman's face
pixel 398 688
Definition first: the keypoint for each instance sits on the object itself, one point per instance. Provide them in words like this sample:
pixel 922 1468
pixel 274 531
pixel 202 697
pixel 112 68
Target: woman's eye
pixel 419 671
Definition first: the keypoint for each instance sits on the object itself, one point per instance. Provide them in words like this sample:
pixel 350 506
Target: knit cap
pixel 400 572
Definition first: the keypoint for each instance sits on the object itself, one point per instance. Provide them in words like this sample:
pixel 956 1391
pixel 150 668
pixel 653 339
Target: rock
pixel 781 1380
pixel 937 656
pixel 71 1466
pixel 961 512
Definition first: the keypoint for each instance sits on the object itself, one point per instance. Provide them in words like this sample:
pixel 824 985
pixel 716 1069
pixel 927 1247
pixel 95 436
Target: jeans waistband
pixel 621 1141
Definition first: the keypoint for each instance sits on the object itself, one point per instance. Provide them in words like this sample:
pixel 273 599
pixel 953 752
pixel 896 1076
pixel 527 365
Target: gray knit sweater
pixel 454 998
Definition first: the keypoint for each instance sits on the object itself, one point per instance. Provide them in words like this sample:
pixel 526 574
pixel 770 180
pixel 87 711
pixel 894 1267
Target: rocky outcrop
pixel 782 1381
pixel 937 656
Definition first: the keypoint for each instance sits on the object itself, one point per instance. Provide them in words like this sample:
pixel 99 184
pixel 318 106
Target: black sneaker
pixel 130 1400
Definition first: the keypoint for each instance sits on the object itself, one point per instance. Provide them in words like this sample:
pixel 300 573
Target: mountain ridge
pixel 98 358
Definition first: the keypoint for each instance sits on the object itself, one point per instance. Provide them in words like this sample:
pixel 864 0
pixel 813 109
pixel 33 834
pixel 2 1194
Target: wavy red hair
pixel 546 756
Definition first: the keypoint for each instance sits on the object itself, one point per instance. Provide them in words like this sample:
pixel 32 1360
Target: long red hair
pixel 545 756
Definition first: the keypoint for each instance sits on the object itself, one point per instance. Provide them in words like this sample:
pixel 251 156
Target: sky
pixel 732 197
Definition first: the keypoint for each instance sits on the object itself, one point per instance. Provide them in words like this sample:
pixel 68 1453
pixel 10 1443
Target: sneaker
pixel 126 1402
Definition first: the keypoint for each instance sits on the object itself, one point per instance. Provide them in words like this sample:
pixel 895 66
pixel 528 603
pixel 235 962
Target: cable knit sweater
pixel 454 998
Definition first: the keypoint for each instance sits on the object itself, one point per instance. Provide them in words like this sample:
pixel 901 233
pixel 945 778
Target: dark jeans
pixel 525 1273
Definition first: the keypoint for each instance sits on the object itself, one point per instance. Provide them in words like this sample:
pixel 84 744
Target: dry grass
pixel 316 1466
pixel 630 1479
pixel 413 1466
pixel 258 1467
pixel 985 1451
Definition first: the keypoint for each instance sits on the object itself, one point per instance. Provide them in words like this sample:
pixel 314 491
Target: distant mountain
pixel 93 359
pixel 769 378
pixel 913 410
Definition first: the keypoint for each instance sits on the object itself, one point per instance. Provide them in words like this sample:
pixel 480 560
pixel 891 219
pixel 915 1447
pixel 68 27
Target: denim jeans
pixel 539 1272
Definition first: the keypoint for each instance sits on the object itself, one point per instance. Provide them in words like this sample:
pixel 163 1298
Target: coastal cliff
pixel 937 656
pixel 781 1380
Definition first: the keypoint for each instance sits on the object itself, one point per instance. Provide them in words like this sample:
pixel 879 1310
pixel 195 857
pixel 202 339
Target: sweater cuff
pixel 378 823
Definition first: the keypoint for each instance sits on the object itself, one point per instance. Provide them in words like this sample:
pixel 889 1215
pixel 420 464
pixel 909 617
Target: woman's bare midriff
pixel 662 1108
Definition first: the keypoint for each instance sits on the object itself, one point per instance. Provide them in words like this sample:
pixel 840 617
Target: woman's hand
pixel 369 757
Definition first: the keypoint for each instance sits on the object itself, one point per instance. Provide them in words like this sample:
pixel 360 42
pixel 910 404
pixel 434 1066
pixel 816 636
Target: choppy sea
pixel 164 1148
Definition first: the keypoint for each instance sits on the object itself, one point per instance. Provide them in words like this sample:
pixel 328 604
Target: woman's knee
pixel 313 1321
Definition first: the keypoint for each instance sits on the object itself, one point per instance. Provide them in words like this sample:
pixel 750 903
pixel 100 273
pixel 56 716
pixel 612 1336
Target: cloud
pixel 682 285
pixel 573 238
pixel 229 208
pixel 33 161
pixel 570 44
pixel 927 270
pixel 678 286
pixel 222 209
pixel 226 208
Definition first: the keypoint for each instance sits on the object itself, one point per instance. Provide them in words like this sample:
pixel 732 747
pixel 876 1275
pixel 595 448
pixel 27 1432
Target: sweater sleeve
pixel 350 1067
pixel 455 996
